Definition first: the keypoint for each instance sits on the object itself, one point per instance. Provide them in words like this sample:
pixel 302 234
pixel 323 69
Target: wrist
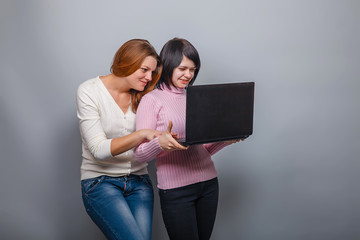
pixel 142 134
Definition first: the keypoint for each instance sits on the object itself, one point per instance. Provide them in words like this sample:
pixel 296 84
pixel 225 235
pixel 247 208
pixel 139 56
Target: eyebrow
pixel 181 66
pixel 147 67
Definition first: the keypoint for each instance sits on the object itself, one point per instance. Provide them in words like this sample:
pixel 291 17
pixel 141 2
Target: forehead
pixel 149 62
pixel 186 62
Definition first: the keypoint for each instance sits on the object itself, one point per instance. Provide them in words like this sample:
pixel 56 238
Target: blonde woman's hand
pixel 150 134
pixel 168 142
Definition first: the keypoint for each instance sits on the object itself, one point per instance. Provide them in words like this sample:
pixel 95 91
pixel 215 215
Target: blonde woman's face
pixel 143 75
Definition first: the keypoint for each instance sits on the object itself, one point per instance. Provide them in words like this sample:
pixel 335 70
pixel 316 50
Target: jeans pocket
pixel 88 185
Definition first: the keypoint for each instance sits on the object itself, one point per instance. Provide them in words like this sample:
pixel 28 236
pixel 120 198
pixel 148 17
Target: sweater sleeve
pixel 146 118
pixel 91 129
pixel 213 148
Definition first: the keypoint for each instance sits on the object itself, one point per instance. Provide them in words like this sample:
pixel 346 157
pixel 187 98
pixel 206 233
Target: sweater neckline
pixel 173 89
pixel 106 91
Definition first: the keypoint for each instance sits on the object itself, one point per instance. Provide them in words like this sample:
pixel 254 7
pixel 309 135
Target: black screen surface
pixel 219 112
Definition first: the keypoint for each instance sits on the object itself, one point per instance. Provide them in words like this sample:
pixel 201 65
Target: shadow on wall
pixel 236 196
pixel 73 221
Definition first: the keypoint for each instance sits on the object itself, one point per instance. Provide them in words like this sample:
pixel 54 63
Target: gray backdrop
pixel 296 178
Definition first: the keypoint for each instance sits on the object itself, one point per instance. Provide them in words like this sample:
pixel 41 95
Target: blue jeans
pixel 189 212
pixel 122 207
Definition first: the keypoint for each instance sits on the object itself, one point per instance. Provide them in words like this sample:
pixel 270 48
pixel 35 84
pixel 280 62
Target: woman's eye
pixel 144 69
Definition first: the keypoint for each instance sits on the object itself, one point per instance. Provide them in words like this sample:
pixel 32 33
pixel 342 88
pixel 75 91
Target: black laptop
pixel 218 112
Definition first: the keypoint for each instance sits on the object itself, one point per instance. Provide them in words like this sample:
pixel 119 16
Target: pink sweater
pixel 174 168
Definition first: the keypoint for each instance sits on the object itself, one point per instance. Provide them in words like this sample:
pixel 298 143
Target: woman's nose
pixel 188 74
pixel 148 76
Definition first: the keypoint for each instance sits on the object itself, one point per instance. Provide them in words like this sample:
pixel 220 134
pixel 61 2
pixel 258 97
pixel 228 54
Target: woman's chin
pixel 140 88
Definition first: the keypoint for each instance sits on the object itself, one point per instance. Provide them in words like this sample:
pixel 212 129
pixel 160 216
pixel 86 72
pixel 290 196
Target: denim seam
pixel 106 223
pixel 96 212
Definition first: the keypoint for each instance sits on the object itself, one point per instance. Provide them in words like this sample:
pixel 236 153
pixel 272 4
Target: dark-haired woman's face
pixel 183 73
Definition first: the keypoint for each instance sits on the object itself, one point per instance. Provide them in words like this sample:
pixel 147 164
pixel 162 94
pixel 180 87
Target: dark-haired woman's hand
pixel 234 141
pixel 168 142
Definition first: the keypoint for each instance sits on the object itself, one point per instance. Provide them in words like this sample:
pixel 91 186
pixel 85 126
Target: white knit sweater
pixel 101 120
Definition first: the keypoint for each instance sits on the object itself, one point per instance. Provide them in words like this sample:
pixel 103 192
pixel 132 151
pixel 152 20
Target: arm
pixel 146 118
pixel 123 144
pixel 92 132
pixel 213 148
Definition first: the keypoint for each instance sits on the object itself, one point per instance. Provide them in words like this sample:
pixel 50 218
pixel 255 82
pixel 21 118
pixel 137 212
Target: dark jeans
pixel 122 207
pixel 189 212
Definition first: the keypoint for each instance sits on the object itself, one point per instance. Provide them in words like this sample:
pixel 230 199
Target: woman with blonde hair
pixel 116 189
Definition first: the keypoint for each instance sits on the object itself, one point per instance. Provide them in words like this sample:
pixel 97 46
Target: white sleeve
pixel 92 132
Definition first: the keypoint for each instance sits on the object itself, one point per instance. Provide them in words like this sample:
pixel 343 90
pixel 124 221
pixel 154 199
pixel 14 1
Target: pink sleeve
pixel 146 118
pixel 213 148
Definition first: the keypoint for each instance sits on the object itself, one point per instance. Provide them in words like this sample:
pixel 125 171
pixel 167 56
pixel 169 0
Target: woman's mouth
pixel 143 83
pixel 184 81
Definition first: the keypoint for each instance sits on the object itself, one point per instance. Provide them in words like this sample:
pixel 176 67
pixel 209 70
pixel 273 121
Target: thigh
pixel 107 207
pixel 206 208
pixel 179 212
pixel 140 198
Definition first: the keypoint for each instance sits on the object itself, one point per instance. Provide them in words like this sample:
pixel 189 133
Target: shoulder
pixel 90 88
pixel 153 95
pixel 89 84
pixel 151 100
pixel 88 91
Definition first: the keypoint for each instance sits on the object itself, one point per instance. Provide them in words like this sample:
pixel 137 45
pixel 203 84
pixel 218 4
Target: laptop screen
pixel 219 112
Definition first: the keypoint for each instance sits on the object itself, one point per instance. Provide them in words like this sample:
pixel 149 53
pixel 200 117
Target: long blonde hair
pixel 129 58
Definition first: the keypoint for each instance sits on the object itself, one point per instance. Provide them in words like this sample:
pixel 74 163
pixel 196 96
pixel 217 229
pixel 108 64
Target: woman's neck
pixel 117 90
pixel 115 84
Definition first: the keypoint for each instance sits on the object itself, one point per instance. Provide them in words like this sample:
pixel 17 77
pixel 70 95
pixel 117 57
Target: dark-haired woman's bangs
pixel 193 55
pixel 171 58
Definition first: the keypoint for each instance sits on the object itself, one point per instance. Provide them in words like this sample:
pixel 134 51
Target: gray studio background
pixel 296 178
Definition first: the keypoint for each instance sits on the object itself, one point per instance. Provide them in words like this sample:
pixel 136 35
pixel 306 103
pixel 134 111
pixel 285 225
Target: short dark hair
pixel 171 56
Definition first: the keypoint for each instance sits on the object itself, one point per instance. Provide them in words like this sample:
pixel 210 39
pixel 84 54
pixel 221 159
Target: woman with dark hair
pixel 187 179
pixel 116 189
